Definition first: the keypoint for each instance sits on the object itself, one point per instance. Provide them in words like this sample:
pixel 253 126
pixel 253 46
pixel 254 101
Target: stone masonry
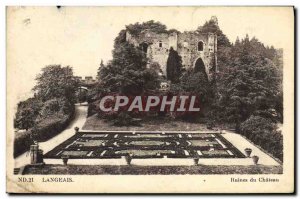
pixel 193 47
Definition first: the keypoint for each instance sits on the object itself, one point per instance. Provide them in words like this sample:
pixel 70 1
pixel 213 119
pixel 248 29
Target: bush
pixel 93 108
pixel 124 119
pixel 50 107
pixel 51 126
pixel 49 111
pixel 264 133
pixel 45 129
pixel 27 112
pixel 22 142
pixel 81 95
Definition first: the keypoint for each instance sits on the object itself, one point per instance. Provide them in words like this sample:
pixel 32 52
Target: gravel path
pixel 79 120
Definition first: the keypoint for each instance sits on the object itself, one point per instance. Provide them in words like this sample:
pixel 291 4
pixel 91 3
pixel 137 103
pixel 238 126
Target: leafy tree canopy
pixel 127 73
pixel 137 28
pixel 56 82
pixel 27 113
pixel 212 26
pixel 263 132
pixel 195 82
pixel 251 85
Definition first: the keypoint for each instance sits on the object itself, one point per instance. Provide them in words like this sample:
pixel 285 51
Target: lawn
pixel 153 124
pixel 149 170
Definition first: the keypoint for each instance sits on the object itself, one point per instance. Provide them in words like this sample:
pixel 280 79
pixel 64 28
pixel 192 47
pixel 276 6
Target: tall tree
pixel 56 82
pixel 127 73
pixel 99 69
pixel 252 83
pixel 174 66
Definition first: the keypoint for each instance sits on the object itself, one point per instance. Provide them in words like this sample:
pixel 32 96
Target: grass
pixel 149 170
pixel 148 124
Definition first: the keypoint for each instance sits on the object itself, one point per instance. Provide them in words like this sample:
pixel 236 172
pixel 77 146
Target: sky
pixel 81 36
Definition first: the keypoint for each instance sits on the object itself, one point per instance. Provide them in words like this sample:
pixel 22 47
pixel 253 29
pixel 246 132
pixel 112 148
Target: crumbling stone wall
pixel 157 47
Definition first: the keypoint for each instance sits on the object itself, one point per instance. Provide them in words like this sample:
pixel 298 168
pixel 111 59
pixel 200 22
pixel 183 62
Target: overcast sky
pixel 82 36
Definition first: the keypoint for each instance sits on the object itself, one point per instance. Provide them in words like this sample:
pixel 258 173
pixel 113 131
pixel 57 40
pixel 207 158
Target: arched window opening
pixel 144 47
pixel 200 46
pixel 200 67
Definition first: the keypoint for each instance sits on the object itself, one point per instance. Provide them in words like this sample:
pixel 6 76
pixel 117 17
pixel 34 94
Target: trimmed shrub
pixel 124 119
pixel 51 126
pixel 27 112
pixel 45 129
pixel 264 133
pixel 22 142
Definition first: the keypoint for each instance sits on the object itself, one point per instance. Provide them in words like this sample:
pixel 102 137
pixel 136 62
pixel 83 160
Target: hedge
pixel 22 142
pixel 263 132
pixel 46 129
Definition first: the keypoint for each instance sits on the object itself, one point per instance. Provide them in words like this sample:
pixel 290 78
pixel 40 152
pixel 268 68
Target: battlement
pixel 86 79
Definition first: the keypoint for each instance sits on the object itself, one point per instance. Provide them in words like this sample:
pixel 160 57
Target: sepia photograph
pixel 150 99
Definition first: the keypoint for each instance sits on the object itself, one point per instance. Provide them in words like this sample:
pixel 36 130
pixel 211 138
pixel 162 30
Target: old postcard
pixel 150 99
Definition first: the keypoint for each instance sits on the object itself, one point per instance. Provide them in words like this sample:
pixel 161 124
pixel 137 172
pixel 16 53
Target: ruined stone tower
pixel 196 49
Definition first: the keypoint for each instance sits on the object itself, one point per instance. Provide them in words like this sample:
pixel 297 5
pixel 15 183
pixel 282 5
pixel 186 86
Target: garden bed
pixel 104 145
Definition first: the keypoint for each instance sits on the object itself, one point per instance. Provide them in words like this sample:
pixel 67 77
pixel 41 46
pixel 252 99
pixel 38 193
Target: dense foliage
pixel 251 85
pixel 56 82
pixel 54 97
pixel 50 110
pixel 248 91
pixel 137 28
pixel 263 133
pixel 27 112
pixel 42 131
pixel 194 83
pixel 127 73
pixel 81 95
pixel 174 66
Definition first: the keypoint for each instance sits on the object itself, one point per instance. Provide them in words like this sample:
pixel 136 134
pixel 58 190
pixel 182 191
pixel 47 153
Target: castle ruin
pixel 196 50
